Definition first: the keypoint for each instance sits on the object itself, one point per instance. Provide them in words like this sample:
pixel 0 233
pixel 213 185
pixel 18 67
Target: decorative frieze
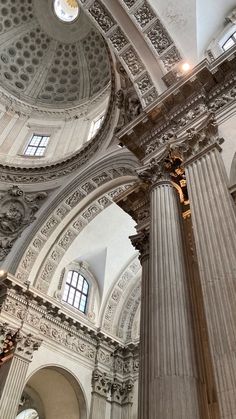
pixel 50 322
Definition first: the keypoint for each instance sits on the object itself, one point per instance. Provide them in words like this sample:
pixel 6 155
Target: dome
pixel 49 61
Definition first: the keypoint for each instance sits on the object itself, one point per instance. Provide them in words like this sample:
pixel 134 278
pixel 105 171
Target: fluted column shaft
pixel 12 378
pixel 144 383
pixel 214 226
pixel 13 371
pixel 172 366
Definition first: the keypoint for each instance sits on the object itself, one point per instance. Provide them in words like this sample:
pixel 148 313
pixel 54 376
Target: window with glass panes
pixel 95 127
pixel 37 145
pixel 76 291
pixel 230 42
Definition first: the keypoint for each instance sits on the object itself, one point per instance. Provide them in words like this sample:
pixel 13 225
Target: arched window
pixel 231 41
pixel 28 414
pixel 76 291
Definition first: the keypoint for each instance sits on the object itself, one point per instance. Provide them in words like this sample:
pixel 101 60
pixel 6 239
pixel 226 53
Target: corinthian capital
pixel 161 168
pixel 141 242
pixel 199 140
pixel 101 383
pixel 26 345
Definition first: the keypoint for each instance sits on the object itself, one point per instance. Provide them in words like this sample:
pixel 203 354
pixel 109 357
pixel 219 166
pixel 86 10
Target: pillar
pixel 214 227
pixel 173 375
pixel 101 385
pixel 141 242
pixel 13 374
pixel 121 399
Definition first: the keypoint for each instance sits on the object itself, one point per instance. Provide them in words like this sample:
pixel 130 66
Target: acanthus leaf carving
pixel 17 211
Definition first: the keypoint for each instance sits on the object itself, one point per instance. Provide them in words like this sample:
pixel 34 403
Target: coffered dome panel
pixel 46 61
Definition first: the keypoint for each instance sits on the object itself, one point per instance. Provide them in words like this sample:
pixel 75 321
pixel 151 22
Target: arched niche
pixel 59 393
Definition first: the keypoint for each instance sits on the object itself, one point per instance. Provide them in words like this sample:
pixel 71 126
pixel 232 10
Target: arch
pixel 136 35
pixel 114 170
pixel 68 378
pixel 123 302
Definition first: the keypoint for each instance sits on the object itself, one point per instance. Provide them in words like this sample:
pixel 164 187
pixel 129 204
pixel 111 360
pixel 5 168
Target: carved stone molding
pixel 66 237
pixel 187 107
pixel 50 321
pixel 126 280
pixel 17 211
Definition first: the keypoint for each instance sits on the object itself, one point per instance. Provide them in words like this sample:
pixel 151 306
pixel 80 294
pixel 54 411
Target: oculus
pixel 66 10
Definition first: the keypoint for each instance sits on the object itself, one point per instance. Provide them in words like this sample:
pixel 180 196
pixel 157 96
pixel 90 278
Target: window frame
pixel 233 37
pixel 38 146
pixel 94 298
pixel 71 274
pixel 93 131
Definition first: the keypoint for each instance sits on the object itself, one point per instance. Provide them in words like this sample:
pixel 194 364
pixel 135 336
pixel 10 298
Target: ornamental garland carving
pixel 17 211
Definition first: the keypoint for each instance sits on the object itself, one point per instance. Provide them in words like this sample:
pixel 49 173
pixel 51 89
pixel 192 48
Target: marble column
pixel 13 374
pixel 141 242
pixel 101 385
pixel 173 375
pixel 214 227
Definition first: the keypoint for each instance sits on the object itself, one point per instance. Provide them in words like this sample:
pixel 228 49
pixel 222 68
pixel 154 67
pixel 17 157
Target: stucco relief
pixel 17 211
pixel 116 301
pixel 65 239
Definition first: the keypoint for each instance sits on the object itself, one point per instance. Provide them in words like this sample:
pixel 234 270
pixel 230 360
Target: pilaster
pixel 17 352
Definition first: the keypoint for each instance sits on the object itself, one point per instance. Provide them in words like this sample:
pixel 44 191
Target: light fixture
pixel 185 67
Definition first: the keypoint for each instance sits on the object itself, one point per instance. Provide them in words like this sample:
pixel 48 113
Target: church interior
pixel 117 209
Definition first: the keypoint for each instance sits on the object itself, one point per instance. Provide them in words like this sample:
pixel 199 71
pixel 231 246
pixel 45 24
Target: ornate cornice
pixel 24 309
pixel 208 88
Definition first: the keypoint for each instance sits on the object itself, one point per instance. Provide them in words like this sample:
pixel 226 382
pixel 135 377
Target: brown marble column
pixel 13 371
pixel 214 228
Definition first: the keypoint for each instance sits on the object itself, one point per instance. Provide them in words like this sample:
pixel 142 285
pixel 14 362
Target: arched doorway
pixel 52 393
